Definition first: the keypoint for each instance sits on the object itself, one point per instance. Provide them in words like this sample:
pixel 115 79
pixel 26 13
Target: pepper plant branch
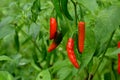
pixel 18 28
pixel 103 55
pixel 81 13
pixel 33 41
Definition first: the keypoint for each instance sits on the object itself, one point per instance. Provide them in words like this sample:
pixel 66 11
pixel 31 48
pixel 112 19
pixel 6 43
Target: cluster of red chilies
pixel 57 38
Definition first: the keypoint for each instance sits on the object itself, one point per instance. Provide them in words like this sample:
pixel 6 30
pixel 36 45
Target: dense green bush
pixel 24 39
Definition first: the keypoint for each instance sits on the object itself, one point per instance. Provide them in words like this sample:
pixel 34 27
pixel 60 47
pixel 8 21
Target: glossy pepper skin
pixel 71 54
pixel 81 36
pixel 55 42
pixel 53 28
pixel 119 59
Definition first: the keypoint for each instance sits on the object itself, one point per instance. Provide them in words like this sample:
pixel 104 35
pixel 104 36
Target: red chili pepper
pixel 52 46
pixel 81 36
pixel 71 54
pixel 53 28
pixel 119 44
pixel 119 59
pixel 56 41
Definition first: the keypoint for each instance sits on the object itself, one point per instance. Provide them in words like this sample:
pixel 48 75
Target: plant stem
pixel 35 44
pixel 82 18
pixel 75 8
pixel 102 55
pixel 32 41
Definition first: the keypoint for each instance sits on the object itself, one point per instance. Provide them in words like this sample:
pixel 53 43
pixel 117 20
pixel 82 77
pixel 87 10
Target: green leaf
pixel 56 4
pixel 95 64
pixel 112 52
pixel 44 75
pixel 89 48
pixel 5 28
pixel 107 21
pixel 35 9
pixel 4 75
pixel 35 66
pixel 34 17
pixel 91 5
pixel 34 30
pixel 35 59
pixel 23 62
pixel 107 76
pixel 59 64
pixel 5 58
pixel 64 72
pixel 63 25
pixel 16 38
pixel 65 9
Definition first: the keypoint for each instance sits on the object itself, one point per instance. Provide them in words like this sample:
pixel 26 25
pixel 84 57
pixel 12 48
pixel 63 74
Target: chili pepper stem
pixel 75 8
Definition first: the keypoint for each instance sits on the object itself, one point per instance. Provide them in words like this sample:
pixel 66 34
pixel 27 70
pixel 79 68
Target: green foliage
pixel 44 75
pixel 89 48
pixel 109 20
pixel 24 39
pixel 4 75
pixel 35 9
pixel 5 27
pixel 6 58
pixel 56 4
pixel 64 9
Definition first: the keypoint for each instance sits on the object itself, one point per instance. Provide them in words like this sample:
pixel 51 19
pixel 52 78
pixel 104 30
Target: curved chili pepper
pixel 55 42
pixel 71 54
pixel 119 59
pixel 53 28
pixel 52 46
pixel 81 36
